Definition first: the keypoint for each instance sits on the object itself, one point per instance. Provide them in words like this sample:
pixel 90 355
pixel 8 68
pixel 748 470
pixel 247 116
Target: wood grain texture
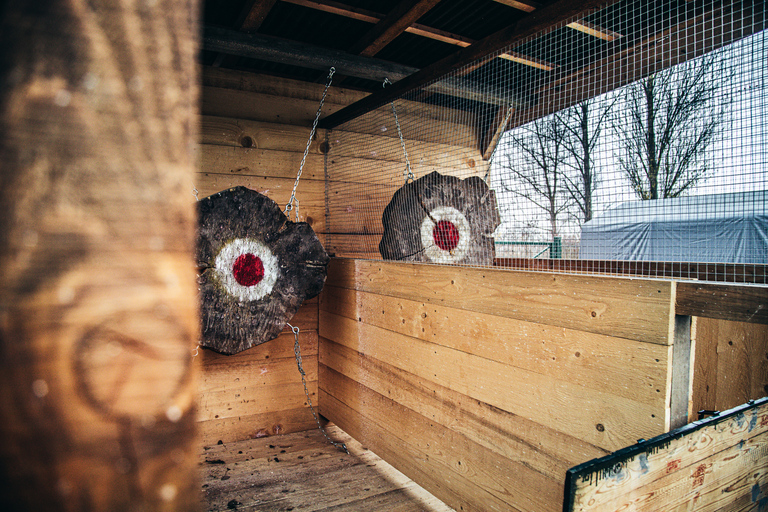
pixel 525 444
pixel 408 441
pixel 731 364
pixel 258 392
pixel 302 471
pixel 593 361
pixel 725 302
pixel 626 308
pixel 98 315
pixel 717 465
pixel 546 400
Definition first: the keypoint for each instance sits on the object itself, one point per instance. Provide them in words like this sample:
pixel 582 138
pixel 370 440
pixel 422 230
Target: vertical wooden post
pixel 682 372
pixel 98 308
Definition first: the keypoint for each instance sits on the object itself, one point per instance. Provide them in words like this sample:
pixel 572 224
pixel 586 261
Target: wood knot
pixel 247 141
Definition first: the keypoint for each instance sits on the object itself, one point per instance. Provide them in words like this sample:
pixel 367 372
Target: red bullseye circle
pixel 446 235
pixel 248 270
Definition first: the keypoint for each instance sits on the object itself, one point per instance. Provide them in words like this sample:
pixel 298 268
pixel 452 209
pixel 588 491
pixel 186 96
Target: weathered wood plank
pixel 626 368
pixel 244 386
pixel 302 471
pixel 411 443
pixel 385 145
pixel 276 86
pixel 262 163
pixel 347 245
pixel 639 309
pixel 257 106
pixel 525 444
pixel 716 464
pixel 310 193
pixel 724 302
pixel 243 133
pixel 255 426
pixel 301 112
pixel 598 417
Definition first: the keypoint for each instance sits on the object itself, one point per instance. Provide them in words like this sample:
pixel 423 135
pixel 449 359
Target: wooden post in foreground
pixel 98 307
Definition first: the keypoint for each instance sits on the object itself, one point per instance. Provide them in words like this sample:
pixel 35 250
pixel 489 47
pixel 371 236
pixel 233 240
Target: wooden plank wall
pixel 254 131
pixel 486 386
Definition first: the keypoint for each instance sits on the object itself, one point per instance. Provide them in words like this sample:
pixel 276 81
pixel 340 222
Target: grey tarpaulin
pixel 715 228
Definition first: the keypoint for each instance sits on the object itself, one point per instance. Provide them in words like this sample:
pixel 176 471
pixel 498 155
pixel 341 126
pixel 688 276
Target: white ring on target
pixel 431 249
pixel 225 262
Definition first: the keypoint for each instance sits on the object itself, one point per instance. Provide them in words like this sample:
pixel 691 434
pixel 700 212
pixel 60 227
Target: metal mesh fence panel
pixel 633 140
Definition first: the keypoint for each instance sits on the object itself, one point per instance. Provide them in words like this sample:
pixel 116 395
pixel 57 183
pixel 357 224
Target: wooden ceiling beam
pixel 595 30
pixel 581 26
pixel 527 6
pixel 254 14
pixel 339 9
pixel 416 29
pixel 284 51
pixel 540 21
pixel 395 23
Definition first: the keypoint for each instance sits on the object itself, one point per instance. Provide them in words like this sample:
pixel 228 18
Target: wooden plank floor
pixel 303 472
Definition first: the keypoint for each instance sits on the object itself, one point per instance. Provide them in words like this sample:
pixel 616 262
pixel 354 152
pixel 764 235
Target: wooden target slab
pixel 257 267
pixel 441 219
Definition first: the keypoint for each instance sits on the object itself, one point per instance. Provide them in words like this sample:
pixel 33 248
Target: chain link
pixel 289 206
pixel 408 172
pixel 297 351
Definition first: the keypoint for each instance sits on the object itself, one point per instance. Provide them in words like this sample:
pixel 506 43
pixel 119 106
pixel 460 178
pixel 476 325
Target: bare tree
pixel 584 124
pixel 667 122
pixel 535 173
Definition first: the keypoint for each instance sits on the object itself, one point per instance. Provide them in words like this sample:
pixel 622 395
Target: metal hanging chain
pixel 289 206
pixel 297 351
pixel 408 173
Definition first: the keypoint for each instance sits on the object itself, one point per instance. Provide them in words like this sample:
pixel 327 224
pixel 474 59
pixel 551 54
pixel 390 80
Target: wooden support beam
pixel 282 51
pixel 384 32
pixel 724 302
pixel 595 30
pixel 527 5
pixel 581 25
pixel 539 21
pixel 416 29
pixel 254 14
pixel 682 373
pixel 98 307
pixel 494 132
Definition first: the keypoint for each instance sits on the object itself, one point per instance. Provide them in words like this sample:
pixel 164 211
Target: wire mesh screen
pixel 632 139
